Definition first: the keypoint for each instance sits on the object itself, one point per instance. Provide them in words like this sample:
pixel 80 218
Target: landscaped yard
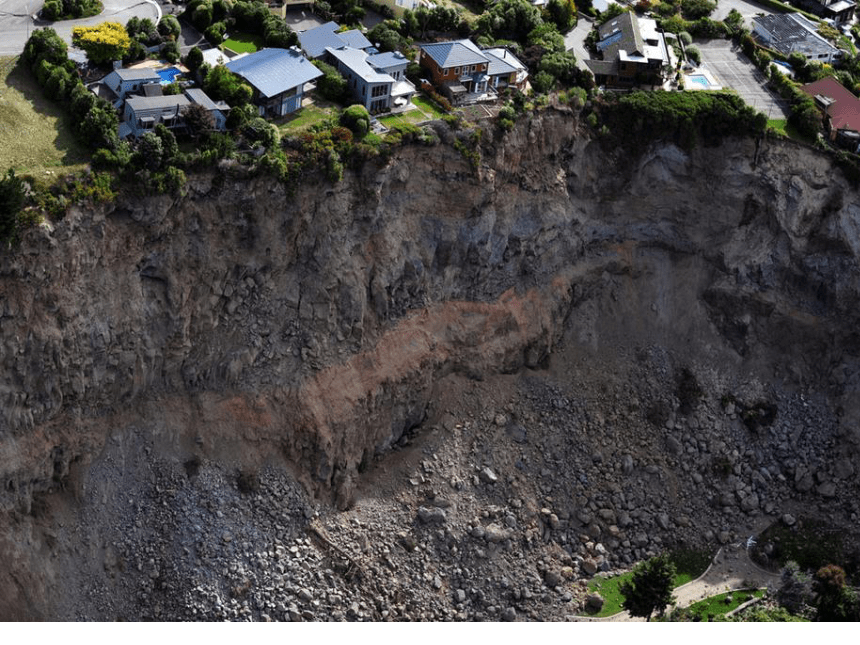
pixel 242 43
pixel 35 136
pixel 427 111
pixel 306 117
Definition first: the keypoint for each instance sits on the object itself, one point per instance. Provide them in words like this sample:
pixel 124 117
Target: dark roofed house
pixel 632 52
pixel 143 113
pixel 790 33
pixel 122 82
pixel 841 109
pixel 278 77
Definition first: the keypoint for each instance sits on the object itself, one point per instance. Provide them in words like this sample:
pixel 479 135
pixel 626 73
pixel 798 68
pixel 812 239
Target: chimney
pixel 117 64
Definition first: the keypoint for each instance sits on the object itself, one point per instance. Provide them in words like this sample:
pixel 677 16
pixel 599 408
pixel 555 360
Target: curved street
pixel 16 20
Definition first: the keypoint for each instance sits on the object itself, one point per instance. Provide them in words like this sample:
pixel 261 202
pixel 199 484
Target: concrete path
pixel 731 569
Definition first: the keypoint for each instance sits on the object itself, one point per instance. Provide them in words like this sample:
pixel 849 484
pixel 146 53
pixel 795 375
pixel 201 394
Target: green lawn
pixel 241 43
pixel 427 111
pixel 305 118
pixel 428 107
pixel 785 128
pixel 717 605
pixel 35 136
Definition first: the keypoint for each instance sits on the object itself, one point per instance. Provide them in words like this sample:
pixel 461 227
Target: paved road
pixel 16 22
pixel 733 70
pixel 574 40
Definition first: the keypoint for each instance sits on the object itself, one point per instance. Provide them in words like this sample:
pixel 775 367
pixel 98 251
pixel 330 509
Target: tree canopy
pixel 650 589
pixel 103 43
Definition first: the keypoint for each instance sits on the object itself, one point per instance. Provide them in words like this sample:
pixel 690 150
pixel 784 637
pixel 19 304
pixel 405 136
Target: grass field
pixel 34 133
pixel 242 43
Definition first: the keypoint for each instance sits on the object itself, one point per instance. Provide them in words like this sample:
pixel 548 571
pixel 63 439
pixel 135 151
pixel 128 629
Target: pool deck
pixel 700 72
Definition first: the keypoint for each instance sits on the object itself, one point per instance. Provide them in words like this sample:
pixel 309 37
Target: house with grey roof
pixel 315 41
pixel 790 33
pixel 142 113
pixel 458 68
pixel 505 69
pixel 121 82
pixel 278 78
pixel 631 51
pixel 373 85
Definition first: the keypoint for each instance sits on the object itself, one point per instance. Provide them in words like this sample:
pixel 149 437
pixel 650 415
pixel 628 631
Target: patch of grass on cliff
pixel 689 564
pixel 35 136
pixel 610 590
pixel 306 117
pixel 810 543
pixel 718 605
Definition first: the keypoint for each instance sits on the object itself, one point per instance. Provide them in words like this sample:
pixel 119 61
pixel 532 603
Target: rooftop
pixel 201 98
pixel 454 53
pixel 792 32
pixel 170 101
pixel 502 61
pixel 844 111
pixel 137 74
pixel 273 71
pixel 354 38
pixel 314 41
pixel 387 59
pixel 356 60
pixel 628 37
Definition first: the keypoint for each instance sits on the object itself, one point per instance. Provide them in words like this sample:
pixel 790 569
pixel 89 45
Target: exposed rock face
pixel 314 324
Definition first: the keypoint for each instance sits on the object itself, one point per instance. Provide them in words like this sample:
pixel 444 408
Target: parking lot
pixel 732 69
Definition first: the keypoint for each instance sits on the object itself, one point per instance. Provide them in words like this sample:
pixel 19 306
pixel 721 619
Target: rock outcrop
pixel 249 320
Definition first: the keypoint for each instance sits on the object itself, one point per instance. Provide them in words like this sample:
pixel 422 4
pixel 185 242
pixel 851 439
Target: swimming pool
pixel 168 75
pixel 699 79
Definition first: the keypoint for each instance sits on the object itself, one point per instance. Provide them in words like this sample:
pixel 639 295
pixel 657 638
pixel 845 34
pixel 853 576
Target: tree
pixel 45 44
pixel 198 120
pixel 12 197
pixel 331 85
pixel 650 589
pixel 562 13
pixel 194 59
pixel 169 27
pixel 835 600
pixel 794 590
pixel 103 43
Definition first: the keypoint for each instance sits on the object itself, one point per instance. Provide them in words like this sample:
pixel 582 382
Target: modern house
pixel 841 111
pixel 839 11
pixel 790 33
pixel 377 81
pixel 458 68
pixel 143 113
pixel 632 52
pixel 505 69
pixel 121 82
pixel 315 41
pixel 278 77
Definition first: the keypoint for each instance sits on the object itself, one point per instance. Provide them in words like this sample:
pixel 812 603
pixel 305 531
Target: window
pixel 456 71
pixel 379 90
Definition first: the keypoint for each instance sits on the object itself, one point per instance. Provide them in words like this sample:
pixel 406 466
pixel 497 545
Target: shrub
pixel 685 37
pixel 694 54
pixel 331 85
pixel 357 119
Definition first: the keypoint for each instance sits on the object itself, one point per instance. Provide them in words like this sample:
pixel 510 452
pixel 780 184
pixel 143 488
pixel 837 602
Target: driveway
pixel 732 69
pixel 16 20
pixel 575 39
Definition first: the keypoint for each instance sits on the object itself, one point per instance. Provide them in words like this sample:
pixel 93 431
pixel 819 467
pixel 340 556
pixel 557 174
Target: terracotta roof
pixel 844 112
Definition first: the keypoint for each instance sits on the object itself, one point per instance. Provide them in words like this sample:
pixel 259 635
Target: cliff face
pixel 249 320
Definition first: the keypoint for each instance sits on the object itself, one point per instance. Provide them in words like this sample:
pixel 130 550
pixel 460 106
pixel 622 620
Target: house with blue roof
pixel 278 78
pixel 121 82
pixel 379 87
